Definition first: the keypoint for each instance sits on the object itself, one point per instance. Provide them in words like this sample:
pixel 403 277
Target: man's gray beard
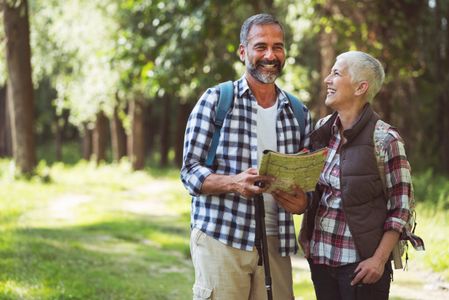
pixel 261 76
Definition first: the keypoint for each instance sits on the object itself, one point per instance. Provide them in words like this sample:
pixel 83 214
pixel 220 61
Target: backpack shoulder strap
pixel 298 110
pixel 225 100
pixel 379 135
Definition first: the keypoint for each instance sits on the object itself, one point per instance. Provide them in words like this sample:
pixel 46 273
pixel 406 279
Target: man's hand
pixel 294 202
pixel 245 183
pixel 368 271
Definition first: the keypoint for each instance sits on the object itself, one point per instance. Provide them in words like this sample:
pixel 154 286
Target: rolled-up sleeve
pixel 197 139
pixel 398 182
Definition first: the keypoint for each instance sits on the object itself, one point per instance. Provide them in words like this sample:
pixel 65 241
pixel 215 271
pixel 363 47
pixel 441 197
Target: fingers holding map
pixel 302 169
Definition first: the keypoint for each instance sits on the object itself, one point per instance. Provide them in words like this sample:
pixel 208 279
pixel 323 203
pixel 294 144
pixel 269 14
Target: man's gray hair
pixel 362 66
pixel 260 19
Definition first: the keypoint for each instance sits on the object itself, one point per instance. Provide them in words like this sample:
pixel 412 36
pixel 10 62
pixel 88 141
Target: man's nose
pixel 269 54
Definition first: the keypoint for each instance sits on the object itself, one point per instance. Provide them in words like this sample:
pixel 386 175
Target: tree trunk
pixel 150 129
pixel 118 136
pixel 5 128
pixel 327 54
pixel 100 137
pixel 61 124
pixel 444 97
pixel 20 85
pixel 87 142
pixel 58 138
pixel 441 41
pixel 136 148
pixel 183 115
pixel 165 131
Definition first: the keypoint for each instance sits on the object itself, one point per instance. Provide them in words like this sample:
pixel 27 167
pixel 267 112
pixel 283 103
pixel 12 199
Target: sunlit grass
pixel 74 236
pixel 433 225
pixel 105 232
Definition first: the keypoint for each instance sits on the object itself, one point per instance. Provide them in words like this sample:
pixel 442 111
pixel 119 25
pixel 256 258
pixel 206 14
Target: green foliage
pixel 94 55
pixel 73 46
pixel 432 189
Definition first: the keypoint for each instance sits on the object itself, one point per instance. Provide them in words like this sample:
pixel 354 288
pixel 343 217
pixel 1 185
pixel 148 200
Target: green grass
pixel 432 197
pixel 82 231
pixel 86 235
pixel 433 226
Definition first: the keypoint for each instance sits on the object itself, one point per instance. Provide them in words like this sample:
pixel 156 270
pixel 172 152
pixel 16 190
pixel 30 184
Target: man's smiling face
pixel 264 55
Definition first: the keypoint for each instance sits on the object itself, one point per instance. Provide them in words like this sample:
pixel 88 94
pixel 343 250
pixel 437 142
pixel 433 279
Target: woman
pixel 351 224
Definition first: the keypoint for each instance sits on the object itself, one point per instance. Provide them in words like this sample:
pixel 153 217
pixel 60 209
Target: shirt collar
pixel 336 125
pixel 243 88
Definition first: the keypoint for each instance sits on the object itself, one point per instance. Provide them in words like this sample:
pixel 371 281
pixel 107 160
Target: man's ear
pixel 242 53
pixel 362 88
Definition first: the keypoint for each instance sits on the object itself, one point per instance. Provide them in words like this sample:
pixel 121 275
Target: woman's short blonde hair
pixel 362 66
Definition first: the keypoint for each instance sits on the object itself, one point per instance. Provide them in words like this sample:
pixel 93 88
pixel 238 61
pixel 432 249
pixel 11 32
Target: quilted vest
pixel 363 200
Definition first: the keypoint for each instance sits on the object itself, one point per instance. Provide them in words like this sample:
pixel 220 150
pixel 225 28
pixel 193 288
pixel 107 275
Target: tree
pixel 136 148
pixel 5 127
pixel 20 86
pixel 118 135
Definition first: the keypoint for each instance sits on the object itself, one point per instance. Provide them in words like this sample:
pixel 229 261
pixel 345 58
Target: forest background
pixel 119 78
pixel 110 82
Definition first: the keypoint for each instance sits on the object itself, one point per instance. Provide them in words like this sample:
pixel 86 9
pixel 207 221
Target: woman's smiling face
pixel 340 86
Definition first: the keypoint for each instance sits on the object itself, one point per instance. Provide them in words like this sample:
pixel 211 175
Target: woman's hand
pixel 294 202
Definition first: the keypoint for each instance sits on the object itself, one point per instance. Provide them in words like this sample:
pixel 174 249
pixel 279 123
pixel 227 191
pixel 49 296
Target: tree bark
pixel 136 146
pixel 100 137
pixel 5 128
pixel 165 131
pixel 118 136
pixel 327 54
pixel 87 142
pixel 326 40
pixel 58 138
pixel 442 65
pixel 183 114
pixel 20 85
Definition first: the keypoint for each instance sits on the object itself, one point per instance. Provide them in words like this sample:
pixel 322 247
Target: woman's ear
pixel 362 88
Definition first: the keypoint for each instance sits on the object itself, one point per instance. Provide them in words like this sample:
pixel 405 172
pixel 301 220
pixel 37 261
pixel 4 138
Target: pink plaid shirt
pixel 332 243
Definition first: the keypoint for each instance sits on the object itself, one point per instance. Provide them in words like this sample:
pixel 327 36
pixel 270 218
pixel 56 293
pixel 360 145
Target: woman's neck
pixel 348 117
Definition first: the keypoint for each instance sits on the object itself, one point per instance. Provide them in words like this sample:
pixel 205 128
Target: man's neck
pixel 265 93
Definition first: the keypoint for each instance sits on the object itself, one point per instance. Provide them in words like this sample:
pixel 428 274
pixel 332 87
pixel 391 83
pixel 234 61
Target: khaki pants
pixel 226 273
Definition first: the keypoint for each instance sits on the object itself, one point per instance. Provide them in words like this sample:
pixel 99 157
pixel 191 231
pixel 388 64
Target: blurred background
pixel 119 78
pixel 94 99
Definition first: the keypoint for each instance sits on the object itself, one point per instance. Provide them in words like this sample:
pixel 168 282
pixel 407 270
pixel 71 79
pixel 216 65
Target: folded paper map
pixel 302 169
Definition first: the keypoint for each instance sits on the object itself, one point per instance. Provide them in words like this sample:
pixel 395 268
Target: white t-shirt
pixel 267 140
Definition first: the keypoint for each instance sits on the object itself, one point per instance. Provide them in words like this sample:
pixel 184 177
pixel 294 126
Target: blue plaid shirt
pixel 229 218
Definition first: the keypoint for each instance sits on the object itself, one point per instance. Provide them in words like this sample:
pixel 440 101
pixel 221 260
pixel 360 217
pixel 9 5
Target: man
pixel 223 220
pixel 352 223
